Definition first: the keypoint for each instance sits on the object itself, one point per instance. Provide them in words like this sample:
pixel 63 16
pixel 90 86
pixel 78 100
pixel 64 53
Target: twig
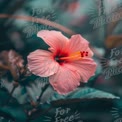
pixel 35 109
pixel 38 100
pixel 40 21
pixel 15 85
pixel 4 67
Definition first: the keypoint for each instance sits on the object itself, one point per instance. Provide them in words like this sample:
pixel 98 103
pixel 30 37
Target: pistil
pixel 75 56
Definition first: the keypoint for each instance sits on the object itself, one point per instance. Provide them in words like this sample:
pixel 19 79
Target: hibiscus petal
pixel 78 43
pixel 55 39
pixel 41 63
pixel 86 67
pixel 65 80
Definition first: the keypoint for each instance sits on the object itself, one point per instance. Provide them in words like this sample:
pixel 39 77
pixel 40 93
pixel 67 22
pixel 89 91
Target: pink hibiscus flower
pixel 67 63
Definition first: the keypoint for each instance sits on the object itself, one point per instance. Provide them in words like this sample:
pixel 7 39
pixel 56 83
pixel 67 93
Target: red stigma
pixel 83 53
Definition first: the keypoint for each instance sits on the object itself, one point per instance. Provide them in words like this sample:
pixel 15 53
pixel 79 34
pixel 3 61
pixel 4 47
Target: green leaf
pixel 82 94
pixel 15 112
pixel 12 110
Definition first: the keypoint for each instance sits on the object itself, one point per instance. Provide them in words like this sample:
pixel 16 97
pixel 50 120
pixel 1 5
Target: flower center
pixel 72 57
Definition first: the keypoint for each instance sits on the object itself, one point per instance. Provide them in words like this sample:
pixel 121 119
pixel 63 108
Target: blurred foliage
pixel 15 43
